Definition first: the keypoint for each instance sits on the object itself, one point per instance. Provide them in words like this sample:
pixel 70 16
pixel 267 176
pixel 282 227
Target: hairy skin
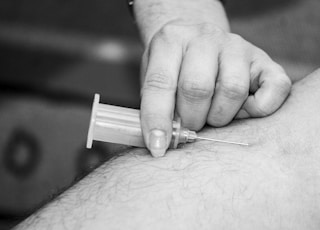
pixel 272 184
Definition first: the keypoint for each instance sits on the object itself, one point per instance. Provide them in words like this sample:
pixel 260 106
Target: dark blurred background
pixel 55 54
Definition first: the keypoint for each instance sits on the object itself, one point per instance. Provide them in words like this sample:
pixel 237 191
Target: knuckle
pixel 208 33
pixel 158 82
pixel 237 39
pixel 194 91
pixel 276 67
pixel 208 28
pixel 237 43
pixel 169 33
pixel 261 57
pixel 260 53
pixel 284 84
pixel 233 91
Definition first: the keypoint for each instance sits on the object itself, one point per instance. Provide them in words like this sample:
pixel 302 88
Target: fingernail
pixel 157 142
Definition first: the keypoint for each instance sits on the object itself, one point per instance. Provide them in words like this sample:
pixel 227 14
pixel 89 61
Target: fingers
pixel 270 87
pixel 232 86
pixel 158 94
pixel 196 84
pixel 201 95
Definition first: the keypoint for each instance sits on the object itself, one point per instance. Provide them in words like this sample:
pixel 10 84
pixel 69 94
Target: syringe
pixel 121 125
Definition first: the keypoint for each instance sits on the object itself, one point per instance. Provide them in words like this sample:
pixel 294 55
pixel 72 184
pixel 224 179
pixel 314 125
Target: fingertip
pixel 157 142
pixel 156 131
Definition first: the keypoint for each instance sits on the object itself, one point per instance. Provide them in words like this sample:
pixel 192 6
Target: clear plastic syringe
pixel 121 125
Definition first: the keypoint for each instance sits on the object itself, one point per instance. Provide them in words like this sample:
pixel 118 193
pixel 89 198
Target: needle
pixel 221 141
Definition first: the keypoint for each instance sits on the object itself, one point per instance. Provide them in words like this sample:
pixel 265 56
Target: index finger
pixel 158 95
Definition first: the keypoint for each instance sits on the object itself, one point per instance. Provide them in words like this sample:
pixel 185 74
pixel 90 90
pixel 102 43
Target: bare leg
pixel 272 184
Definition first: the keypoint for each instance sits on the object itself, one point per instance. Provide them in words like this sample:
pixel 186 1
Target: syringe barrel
pixel 121 125
pixel 114 124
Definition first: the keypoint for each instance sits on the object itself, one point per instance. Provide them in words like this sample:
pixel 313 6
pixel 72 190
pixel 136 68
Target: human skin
pixel 272 184
pixel 194 66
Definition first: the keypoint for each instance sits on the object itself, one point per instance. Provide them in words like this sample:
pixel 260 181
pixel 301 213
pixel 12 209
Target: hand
pixel 205 75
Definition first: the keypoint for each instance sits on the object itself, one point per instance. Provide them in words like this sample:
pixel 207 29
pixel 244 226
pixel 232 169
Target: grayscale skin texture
pixel 272 184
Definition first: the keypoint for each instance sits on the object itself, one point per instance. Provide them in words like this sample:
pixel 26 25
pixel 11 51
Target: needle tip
pixel 222 141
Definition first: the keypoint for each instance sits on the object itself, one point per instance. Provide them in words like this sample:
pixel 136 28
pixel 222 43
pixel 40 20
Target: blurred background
pixel 55 54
